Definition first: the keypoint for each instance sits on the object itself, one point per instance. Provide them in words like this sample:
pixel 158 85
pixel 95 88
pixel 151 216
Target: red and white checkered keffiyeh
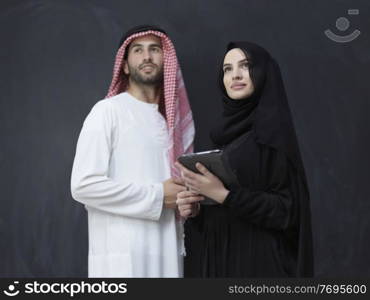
pixel 178 113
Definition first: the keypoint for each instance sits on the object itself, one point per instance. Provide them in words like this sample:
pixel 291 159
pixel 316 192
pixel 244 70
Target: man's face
pixel 144 63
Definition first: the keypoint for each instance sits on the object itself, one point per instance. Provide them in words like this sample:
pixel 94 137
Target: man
pixel 124 169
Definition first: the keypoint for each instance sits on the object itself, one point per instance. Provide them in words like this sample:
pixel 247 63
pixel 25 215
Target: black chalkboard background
pixel 56 61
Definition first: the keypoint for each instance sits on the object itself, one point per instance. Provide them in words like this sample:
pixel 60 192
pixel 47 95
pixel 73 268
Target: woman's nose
pixel 237 75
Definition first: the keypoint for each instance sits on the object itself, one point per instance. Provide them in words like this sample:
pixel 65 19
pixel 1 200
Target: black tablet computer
pixel 214 161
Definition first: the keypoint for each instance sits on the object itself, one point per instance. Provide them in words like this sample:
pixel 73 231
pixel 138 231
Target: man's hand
pixel 171 187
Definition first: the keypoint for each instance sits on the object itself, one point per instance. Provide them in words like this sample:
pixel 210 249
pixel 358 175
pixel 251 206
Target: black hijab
pixel 266 115
pixel 266 112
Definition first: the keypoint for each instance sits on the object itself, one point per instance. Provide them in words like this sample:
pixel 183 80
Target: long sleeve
pixel 90 181
pixel 271 206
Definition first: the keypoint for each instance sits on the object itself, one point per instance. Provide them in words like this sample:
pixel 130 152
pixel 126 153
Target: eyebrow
pixel 150 45
pixel 240 61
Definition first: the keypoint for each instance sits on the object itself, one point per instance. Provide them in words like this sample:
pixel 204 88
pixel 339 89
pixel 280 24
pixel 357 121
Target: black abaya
pixel 249 234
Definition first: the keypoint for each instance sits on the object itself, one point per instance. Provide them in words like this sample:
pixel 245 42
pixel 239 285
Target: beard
pixel 155 78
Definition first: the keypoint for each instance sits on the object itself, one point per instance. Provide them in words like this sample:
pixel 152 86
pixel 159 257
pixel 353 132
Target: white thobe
pixel 120 163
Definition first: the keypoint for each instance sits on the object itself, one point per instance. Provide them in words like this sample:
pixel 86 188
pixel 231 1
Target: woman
pixel 261 227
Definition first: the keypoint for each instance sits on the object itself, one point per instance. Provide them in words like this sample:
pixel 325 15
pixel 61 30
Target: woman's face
pixel 237 80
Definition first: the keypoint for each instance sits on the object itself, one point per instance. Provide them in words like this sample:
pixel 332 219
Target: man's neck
pixel 145 93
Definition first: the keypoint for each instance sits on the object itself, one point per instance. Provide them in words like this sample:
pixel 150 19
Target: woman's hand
pixel 205 183
pixel 188 203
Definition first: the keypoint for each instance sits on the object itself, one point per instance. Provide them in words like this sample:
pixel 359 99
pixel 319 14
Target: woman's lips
pixel 238 86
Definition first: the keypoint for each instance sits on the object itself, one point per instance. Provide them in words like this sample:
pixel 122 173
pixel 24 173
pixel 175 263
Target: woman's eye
pixel 227 69
pixel 245 65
